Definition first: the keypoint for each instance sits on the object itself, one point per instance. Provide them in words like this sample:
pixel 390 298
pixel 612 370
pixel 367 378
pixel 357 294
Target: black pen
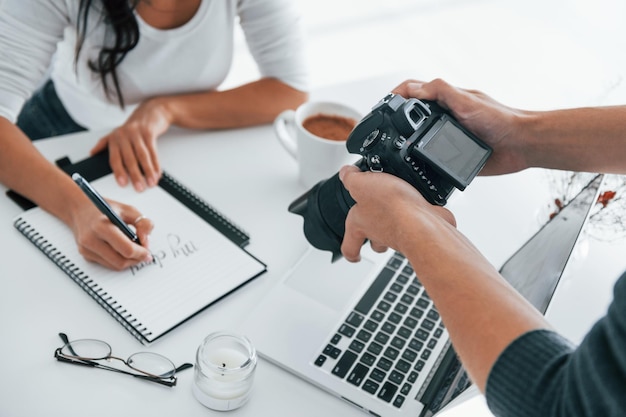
pixel 104 207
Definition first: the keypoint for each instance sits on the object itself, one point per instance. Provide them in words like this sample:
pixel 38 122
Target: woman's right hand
pixel 102 242
pixel 493 122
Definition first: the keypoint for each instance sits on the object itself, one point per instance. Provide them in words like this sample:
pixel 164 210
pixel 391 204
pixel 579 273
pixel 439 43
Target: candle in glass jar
pixel 224 371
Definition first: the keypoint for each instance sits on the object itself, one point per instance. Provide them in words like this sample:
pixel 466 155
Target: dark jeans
pixel 43 115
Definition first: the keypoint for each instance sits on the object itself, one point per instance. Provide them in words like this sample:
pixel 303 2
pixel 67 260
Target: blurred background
pixel 534 53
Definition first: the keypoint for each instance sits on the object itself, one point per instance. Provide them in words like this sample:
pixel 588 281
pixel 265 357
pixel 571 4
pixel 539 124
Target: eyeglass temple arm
pixel 170 382
pixel 66 341
pixel 183 367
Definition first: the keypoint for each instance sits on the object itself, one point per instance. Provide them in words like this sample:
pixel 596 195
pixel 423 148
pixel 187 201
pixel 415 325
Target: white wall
pixel 532 53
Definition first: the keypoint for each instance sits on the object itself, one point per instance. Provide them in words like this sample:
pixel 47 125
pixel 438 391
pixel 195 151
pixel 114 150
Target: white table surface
pixel 247 175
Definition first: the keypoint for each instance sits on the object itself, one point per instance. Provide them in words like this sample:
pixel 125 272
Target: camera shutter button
pixel 399 142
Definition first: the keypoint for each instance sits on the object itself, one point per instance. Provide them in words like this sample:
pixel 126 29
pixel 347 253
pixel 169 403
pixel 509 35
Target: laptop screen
pixel 536 268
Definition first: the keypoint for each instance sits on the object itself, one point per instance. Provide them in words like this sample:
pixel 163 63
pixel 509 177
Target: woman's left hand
pixel 132 146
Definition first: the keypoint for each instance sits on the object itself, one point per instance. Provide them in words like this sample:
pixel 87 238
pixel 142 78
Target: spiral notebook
pixel 198 256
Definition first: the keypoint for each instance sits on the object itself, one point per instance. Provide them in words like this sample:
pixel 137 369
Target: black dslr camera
pixel 415 140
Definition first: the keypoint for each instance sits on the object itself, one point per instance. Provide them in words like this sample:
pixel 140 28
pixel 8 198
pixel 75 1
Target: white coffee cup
pixel 318 157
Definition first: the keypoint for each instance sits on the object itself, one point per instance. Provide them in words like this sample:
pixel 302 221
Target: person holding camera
pixel 507 347
pixel 134 67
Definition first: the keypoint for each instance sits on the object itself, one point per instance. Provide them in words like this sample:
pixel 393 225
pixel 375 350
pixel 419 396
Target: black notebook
pixel 198 255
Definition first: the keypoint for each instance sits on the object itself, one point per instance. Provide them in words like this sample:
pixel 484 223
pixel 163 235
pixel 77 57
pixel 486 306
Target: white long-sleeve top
pixel 194 57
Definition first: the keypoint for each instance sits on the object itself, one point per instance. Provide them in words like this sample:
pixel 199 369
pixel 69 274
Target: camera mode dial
pixel 370 140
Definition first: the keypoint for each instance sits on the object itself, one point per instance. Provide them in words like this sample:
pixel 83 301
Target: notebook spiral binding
pixel 204 210
pixel 116 310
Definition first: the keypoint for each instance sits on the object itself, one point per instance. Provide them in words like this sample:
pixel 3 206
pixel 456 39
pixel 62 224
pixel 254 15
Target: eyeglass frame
pixel 90 362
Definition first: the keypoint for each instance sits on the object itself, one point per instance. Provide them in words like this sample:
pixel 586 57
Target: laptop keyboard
pixel 389 338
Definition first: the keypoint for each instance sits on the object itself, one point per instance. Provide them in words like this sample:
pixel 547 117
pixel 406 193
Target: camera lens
pixel 324 209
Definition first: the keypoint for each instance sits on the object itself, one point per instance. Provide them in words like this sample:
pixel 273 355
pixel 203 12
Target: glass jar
pixel 224 371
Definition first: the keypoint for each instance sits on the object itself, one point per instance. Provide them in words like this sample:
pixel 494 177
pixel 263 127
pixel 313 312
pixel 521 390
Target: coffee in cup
pixel 329 126
pixel 315 135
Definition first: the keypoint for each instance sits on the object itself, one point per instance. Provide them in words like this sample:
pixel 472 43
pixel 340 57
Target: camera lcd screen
pixel 453 152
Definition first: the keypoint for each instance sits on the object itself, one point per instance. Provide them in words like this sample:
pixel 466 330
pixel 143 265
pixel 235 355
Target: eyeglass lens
pixel 145 362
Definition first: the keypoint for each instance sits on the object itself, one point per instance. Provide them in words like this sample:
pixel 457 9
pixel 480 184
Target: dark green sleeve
pixel 543 374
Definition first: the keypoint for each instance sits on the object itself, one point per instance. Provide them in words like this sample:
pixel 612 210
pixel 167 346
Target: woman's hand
pixel 133 148
pixel 102 242
pixel 493 122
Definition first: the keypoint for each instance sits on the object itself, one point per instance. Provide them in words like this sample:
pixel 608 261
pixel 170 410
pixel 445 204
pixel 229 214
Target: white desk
pixel 248 176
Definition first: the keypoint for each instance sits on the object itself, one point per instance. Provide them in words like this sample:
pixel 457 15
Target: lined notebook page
pixel 193 264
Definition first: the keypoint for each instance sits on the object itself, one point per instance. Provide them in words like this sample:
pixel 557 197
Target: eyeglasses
pixel 151 366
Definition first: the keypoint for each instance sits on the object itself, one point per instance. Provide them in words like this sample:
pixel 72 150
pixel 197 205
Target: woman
pixel 136 67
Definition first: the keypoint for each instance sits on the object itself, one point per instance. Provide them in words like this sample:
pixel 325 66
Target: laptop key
pixel 356 346
pixel 383 306
pixel 395 263
pixel 417 312
pixel 395 318
pixel 391 353
pixel 332 351
pixel 378 375
pixel 410 322
pixel 403 366
pixel 344 364
pixel 320 360
pixel 401 308
pixel 413 289
pixel 423 302
pixel 358 374
pixel 354 319
pixel 370 325
pixel 384 363
pixel 398 401
pixel 407 299
pixel 388 327
pixel 368 359
pixel 416 345
pixel 370 386
pixel 374 348
pixel 346 330
pixel 396 377
pixel 371 295
pixel 433 315
pixel 409 355
pixel 391 297
pixel 364 336
pixel 404 332
pixel 381 338
pixel 387 391
pixel 402 279
pixel 428 324
pixel 422 334
pixel 397 342
pixel 395 287
pixel 378 316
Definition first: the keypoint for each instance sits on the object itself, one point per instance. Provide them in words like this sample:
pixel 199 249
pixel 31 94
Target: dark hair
pixel 119 18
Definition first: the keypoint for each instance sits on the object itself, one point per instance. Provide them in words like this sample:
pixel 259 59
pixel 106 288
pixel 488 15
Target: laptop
pixel 368 332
